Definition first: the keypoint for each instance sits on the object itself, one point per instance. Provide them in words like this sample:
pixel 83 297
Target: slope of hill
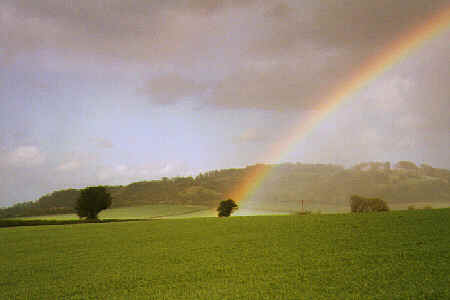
pixel 320 186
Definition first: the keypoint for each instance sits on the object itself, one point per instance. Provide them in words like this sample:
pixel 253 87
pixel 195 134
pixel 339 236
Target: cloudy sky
pixel 111 92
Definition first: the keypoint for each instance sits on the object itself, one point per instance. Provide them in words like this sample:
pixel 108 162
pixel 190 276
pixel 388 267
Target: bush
pixel 226 208
pixel 361 204
pixel 411 207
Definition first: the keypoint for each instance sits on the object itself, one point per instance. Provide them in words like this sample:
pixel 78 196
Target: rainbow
pixel 365 73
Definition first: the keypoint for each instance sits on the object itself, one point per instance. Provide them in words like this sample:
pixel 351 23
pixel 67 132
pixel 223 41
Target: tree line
pixel 283 188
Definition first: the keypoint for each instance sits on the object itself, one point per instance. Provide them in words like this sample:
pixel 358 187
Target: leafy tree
pixel 92 200
pixel 226 208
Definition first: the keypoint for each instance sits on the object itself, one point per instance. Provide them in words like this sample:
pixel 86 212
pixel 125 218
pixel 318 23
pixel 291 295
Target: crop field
pixel 239 212
pixel 131 212
pixel 395 255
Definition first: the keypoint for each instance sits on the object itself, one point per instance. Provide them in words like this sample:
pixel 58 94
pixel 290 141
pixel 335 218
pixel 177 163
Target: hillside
pixel 318 185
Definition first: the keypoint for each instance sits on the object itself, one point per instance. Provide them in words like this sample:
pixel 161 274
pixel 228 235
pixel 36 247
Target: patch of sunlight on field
pixel 258 212
pixel 331 208
pixel 50 217
pixel 239 212
pixel 419 205
pixel 198 214
pixel 168 211
pixel 132 212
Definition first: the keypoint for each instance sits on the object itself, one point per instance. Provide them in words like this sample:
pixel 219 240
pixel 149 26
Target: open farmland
pixel 131 212
pixel 395 255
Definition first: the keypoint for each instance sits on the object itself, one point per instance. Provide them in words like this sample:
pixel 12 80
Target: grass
pixel 131 212
pixel 394 255
pixel 333 208
pixel 239 212
pixel 39 222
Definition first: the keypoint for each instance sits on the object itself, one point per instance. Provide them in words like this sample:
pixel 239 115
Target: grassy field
pixel 328 208
pixel 131 212
pixel 239 212
pixel 395 255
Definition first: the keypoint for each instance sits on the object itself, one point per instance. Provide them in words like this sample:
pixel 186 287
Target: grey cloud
pixel 124 174
pixel 22 156
pixel 171 87
pixel 103 142
pixel 145 29
pixel 68 166
pixel 243 54
pixel 134 31
pixel 252 135
pixel 301 50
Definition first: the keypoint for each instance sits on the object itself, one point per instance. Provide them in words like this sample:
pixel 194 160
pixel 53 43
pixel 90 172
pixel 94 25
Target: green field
pixel 132 212
pixel 395 255
pixel 165 211
pixel 176 211
pixel 239 212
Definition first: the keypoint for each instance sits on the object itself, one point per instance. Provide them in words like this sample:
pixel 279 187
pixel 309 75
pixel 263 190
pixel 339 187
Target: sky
pixel 112 92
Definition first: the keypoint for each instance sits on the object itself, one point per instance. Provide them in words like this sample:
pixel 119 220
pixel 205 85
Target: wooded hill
pixel 282 190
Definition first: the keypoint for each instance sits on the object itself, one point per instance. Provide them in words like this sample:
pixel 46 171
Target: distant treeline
pixel 285 186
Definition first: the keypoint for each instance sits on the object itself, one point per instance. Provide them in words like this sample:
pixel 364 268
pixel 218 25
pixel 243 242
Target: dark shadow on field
pixel 15 223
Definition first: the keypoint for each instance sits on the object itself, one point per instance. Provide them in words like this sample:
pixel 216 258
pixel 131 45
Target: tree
pixel 226 208
pixel 92 200
pixel 361 204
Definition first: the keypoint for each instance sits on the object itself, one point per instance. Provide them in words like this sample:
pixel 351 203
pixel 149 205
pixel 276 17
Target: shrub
pixel 226 208
pixel 411 207
pixel 361 204
pixel 427 207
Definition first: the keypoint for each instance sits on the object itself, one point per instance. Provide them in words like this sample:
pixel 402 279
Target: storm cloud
pixel 235 53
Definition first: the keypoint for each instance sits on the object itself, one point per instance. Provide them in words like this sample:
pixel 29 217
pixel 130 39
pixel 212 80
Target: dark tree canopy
pixel 226 208
pixel 361 204
pixel 92 200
